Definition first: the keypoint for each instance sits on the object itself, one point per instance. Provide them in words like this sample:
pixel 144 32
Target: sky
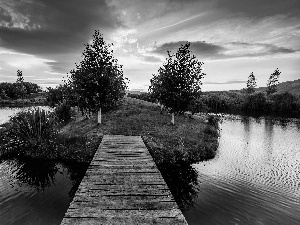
pixel 45 38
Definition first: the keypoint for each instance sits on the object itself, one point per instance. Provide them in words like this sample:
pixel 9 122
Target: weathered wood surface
pixel 123 186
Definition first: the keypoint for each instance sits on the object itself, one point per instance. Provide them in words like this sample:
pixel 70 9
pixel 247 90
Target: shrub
pixel 63 112
pixel 213 121
pixel 31 130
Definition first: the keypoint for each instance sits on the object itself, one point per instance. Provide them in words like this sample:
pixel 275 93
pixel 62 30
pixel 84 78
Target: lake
pixel 254 179
pixel 37 192
pixel 6 112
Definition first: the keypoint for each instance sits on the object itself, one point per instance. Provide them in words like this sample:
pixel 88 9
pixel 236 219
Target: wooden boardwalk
pixel 123 186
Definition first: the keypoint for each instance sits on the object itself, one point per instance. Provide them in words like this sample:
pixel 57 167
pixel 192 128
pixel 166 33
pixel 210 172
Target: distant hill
pixel 290 86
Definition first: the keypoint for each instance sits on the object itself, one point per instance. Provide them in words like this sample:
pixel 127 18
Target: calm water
pixel 37 192
pixel 255 178
pixel 6 112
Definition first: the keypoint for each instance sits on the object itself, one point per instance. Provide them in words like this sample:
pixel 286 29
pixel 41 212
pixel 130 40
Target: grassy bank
pixel 187 142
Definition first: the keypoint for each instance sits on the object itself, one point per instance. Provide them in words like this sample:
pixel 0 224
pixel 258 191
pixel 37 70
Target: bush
pixel 31 130
pixel 63 112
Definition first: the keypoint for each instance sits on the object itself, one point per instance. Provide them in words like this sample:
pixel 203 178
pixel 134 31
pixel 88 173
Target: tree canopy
pixel 273 82
pixel 98 80
pixel 178 81
pixel 251 83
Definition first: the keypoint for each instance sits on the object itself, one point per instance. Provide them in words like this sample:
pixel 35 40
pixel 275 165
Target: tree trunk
pixel 99 116
pixel 173 120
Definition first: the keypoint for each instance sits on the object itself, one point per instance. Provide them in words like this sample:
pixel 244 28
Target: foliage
pixel 178 81
pixel 251 83
pixel 59 94
pixel 98 80
pixel 20 78
pixel 285 102
pixel 255 102
pixel 17 90
pixel 31 88
pixel 63 112
pixel 19 84
pixel 31 130
pixel 273 82
pixel 143 96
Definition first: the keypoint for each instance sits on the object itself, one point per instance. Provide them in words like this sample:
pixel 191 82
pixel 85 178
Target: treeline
pixel 257 102
pixel 221 101
pixel 143 96
pixel 9 91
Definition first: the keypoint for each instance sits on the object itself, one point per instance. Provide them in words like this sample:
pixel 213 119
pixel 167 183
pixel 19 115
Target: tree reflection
pixel 36 173
pixel 183 183
pixel 76 172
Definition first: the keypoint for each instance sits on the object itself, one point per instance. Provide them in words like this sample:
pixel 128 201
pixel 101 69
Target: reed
pixel 33 129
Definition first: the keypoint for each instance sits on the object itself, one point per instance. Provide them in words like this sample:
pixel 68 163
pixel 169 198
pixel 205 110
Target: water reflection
pixel 35 173
pixel 183 183
pixel 255 178
pixel 37 192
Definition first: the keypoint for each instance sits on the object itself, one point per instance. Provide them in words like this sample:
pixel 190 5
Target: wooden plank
pixel 123 186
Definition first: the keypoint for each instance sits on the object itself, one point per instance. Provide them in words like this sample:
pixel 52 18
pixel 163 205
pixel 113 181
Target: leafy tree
pixel 251 83
pixel 273 82
pixel 19 85
pixel 97 81
pixel 20 78
pixel 59 94
pixel 178 81
pixel 31 87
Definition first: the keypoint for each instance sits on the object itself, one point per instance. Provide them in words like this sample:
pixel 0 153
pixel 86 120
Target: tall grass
pixel 31 130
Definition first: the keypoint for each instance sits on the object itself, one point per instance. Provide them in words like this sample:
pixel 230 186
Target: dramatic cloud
pixel 45 26
pixel 44 38
pixel 210 51
pixel 226 82
pixel 198 48
pixel 258 8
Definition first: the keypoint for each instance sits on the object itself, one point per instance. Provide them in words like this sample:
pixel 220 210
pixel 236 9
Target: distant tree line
pixel 248 99
pixel 143 96
pixel 18 89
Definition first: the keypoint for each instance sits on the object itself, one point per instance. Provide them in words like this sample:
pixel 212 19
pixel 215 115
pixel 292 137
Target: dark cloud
pixel 222 50
pixel 226 82
pixel 258 9
pixel 54 27
pixel 198 48
pixel 5 17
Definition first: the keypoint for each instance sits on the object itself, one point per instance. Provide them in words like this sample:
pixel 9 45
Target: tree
pixel 20 78
pixel 251 83
pixel 178 81
pixel 19 85
pixel 273 82
pixel 98 80
pixel 31 87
